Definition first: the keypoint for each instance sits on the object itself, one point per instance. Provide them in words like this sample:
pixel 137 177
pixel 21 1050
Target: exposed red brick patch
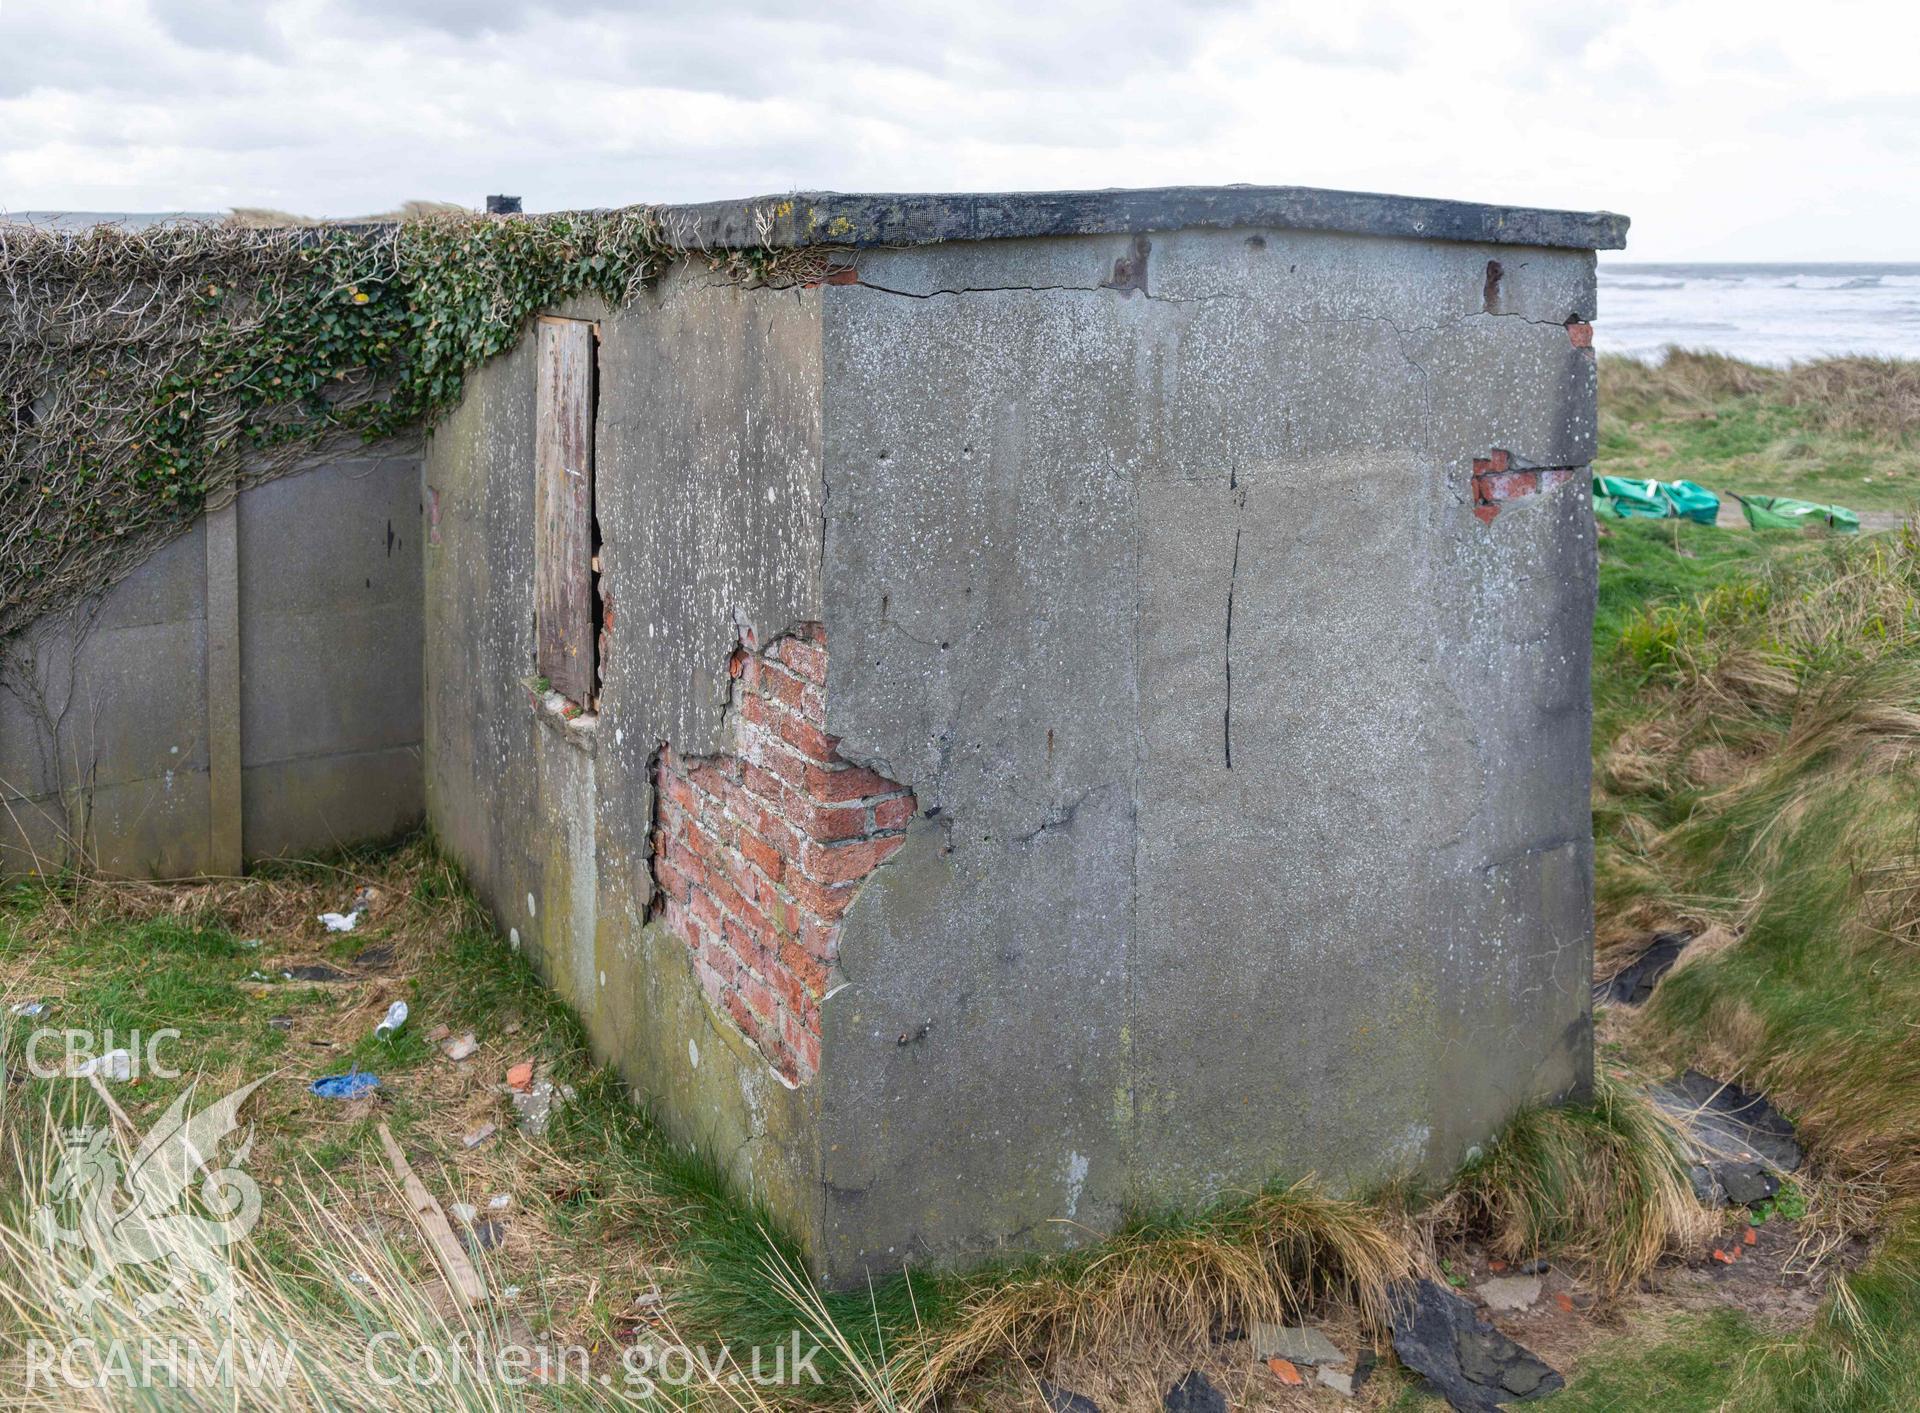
pixel 1581 334
pixel 1494 482
pixel 759 852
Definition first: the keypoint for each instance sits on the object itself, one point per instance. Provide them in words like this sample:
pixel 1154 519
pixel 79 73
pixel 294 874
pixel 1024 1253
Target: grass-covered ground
pixel 1757 722
pixel 1839 430
pixel 1756 730
pixel 1757 716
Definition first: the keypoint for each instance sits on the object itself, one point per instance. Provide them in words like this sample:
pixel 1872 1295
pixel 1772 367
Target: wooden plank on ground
pixel 461 1275
pixel 563 507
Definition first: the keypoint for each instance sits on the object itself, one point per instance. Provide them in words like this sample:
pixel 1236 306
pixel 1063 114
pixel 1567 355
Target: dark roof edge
pixel 866 219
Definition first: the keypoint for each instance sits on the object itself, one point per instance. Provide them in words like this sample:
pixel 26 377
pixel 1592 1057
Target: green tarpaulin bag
pixel 1622 498
pixel 1695 503
pixel 1782 513
pixel 1619 498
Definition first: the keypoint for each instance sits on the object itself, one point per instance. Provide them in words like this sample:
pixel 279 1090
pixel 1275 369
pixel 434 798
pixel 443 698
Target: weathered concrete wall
pixel 113 729
pixel 708 500
pixel 1250 761
pixel 1260 762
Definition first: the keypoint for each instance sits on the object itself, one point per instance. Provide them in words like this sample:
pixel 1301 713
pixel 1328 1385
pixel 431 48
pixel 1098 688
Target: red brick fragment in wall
pixel 759 852
pixel 1494 481
pixel 1581 334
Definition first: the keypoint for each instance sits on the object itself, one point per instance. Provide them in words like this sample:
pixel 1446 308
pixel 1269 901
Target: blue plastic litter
pixel 345 1086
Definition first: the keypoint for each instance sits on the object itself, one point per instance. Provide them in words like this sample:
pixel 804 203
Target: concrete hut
pixel 1051 704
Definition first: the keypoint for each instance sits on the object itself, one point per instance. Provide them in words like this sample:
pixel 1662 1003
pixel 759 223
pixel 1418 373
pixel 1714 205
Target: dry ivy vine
pixel 146 375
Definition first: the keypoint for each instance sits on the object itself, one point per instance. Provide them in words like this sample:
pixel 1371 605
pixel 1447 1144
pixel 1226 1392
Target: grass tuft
pixel 1602 1184
pixel 1285 1252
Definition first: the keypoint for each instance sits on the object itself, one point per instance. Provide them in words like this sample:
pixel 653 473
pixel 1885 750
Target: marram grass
pixel 1602 1184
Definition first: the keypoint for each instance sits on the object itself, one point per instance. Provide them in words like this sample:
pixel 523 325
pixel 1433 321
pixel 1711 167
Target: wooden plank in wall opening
pixel 563 507
pixel 224 833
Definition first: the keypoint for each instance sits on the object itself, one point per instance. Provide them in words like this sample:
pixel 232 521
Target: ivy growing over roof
pixel 147 375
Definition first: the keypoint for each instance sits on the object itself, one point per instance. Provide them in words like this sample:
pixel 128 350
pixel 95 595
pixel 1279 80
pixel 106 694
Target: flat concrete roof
pixel 924 218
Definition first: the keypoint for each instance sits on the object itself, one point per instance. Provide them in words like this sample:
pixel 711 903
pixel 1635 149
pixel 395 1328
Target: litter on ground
pixel 350 1085
pixel 116 1065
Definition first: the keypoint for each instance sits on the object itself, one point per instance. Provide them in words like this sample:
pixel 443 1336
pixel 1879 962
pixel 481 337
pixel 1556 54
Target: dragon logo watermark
pixel 173 1202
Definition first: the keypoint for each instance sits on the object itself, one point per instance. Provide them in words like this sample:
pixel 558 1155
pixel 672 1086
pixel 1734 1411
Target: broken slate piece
pixel 536 1105
pixel 315 972
pixel 1193 1392
pixel 1363 1368
pixel 1504 1294
pixel 483 1235
pixel 1339 1380
pixel 1745 1183
pixel 1740 1144
pixel 1464 1359
pixel 1297 1344
pixel 1731 1119
pixel 1061 1400
pixel 1634 983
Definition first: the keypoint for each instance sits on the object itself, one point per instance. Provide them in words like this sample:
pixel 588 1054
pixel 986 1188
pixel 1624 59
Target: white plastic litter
pixel 116 1065
pixel 396 1017
pixel 340 922
pixel 27 1008
pixel 499 1202
pixel 250 942
pixel 464 1212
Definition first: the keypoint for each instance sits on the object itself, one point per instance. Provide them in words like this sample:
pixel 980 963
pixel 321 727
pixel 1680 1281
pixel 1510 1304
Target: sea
pixel 1773 314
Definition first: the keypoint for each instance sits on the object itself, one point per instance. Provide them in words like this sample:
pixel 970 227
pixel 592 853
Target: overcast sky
pixel 1727 131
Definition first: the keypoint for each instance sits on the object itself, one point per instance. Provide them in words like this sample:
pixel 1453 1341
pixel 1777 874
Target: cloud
pixel 222 26
pixel 1716 141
